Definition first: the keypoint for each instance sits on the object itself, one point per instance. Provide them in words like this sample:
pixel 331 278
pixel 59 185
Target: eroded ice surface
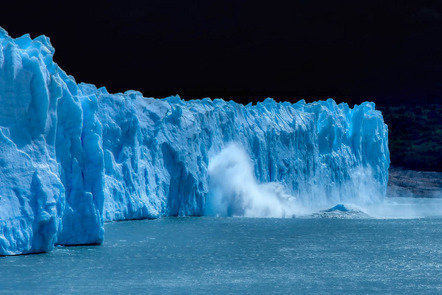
pixel 73 156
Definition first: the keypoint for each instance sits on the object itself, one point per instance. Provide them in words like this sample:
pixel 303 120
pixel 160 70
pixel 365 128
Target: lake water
pixel 209 255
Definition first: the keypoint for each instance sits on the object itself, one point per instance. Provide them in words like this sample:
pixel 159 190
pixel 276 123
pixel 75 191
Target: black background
pixel 384 51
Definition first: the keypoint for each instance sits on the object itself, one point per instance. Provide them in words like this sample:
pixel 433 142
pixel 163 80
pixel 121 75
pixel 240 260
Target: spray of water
pixel 405 208
pixel 235 191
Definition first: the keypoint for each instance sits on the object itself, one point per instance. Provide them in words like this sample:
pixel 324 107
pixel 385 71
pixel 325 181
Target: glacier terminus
pixel 73 156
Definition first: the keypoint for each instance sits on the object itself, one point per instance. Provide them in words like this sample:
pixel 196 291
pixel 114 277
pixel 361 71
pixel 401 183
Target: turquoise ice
pixel 73 156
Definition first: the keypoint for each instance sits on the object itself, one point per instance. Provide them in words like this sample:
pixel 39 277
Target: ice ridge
pixel 73 156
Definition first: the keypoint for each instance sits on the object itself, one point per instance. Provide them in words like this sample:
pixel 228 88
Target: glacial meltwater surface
pixel 209 255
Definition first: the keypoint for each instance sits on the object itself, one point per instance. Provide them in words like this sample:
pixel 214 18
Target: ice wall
pixel 51 162
pixel 73 156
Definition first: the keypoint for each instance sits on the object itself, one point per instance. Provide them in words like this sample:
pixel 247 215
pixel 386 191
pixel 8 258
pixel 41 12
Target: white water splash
pixel 234 190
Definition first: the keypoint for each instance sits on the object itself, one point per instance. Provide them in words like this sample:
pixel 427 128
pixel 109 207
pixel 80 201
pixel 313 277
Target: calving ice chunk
pixel 73 156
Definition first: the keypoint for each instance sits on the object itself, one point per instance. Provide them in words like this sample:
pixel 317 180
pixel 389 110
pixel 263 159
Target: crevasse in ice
pixel 73 156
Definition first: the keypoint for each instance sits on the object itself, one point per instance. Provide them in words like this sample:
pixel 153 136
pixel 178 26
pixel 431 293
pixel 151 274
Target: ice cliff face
pixel 73 156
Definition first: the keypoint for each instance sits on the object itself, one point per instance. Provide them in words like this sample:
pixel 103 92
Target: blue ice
pixel 73 156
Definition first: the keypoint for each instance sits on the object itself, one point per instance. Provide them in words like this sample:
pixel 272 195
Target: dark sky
pixel 384 51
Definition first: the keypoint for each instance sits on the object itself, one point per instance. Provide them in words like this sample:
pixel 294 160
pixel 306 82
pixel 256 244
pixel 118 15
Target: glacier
pixel 73 156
